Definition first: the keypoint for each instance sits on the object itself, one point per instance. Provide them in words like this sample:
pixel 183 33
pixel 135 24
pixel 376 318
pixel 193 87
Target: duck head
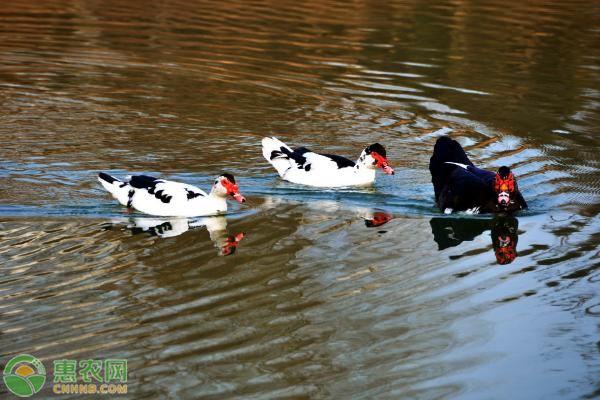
pixel 505 187
pixel 225 186
pixel 373 157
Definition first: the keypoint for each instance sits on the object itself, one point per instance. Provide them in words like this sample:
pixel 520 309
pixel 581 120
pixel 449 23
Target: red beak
pixel 233 191
pixel 239 197
pixel 382 163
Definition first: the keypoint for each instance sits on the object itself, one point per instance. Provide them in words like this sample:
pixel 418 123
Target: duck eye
pixel 216 181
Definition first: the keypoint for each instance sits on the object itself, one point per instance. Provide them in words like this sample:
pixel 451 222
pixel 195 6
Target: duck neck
pixel 360 163
pixel 219 201
pixel 363 168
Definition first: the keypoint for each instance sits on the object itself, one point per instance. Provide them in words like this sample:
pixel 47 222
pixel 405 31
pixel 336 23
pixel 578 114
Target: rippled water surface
pixel 302 293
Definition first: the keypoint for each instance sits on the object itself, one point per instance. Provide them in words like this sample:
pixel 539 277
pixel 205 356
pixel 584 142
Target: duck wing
pixel 448 154
pixel 307 160
pixel 465 190
pixel 487 176
pixel 341 162
pixel 323 162
pixel 151 191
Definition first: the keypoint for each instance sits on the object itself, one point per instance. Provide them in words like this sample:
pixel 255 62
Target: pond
pixel 301 292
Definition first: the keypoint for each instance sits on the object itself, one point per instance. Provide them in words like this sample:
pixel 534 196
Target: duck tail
pixel 445 151
pixel 118 189
pixel 277 153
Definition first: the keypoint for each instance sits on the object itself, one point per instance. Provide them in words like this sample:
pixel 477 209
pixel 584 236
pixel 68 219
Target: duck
pixel 305 167
pixel 161 197
pixel 460 186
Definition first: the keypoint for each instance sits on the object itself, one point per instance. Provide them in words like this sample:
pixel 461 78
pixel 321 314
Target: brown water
pixel 311 302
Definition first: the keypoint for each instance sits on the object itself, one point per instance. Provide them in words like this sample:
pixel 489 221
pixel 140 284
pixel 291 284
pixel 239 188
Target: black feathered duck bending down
pixel 460 186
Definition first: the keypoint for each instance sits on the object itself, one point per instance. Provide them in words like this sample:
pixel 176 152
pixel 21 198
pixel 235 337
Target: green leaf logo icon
pixel 25 379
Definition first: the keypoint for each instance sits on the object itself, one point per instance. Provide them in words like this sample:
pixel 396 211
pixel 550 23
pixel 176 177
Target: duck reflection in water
pixel 171 227
pixel 373 217
pixel 377 218
pixel 504 238
pixel 450 232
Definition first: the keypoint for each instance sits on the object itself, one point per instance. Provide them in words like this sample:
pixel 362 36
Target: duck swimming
pixel 306 167
pixel 460 186
pixel 161 197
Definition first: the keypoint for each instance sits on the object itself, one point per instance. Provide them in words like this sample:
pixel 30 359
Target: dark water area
pixel 302 293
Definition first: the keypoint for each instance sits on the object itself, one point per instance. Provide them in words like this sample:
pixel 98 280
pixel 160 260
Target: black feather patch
pixel 377 148
pixel 107 177
pixel 144 181
pixel 229 177
pixel 297 155
pixel 130 196
pixel 275 154
pixel 503 172
pixel 149 183
pixel 159 194
pixel 192 195
pixel 342 162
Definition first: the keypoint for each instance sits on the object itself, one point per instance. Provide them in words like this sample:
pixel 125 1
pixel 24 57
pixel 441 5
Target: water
pixel 300 293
